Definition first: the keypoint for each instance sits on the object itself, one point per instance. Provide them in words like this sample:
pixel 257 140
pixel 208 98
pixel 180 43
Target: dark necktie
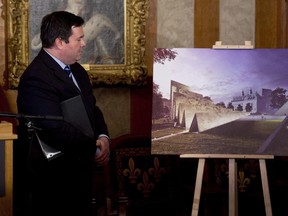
pixel 68 71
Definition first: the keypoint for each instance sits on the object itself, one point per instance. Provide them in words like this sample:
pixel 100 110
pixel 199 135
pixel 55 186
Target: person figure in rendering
pixel 63 185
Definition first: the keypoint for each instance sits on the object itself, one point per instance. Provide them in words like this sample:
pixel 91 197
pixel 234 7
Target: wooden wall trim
pixel 266 25
pixel 206 23
pixel 283 22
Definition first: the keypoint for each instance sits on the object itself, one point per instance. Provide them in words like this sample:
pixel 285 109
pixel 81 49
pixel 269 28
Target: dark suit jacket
pixel 42 88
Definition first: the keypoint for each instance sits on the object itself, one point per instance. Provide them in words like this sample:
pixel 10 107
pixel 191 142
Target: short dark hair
pixel 58 24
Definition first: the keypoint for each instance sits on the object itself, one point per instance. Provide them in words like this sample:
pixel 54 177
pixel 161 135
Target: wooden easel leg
pixel 233 182
pixel 233 201
pixel 265 187
pixel 198 187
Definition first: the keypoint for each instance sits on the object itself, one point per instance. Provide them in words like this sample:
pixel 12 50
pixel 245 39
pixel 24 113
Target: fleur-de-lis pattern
pixel 243 181
pixel 157 170
pixel 248 174
pixel 132 172
pixel 252 167
pixel 146 187
pixel 150 177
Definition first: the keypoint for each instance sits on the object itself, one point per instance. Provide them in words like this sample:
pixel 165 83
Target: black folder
pixel 75 113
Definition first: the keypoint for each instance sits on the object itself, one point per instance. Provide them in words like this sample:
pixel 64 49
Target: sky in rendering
pixel 222 74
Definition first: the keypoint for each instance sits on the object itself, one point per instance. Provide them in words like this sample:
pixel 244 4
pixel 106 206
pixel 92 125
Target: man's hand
pixel 103 156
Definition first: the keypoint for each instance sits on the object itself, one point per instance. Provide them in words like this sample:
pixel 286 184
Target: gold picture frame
pixel 132 72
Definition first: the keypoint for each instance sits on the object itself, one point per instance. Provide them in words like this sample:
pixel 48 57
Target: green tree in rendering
pixel 163 54
pixel 278 98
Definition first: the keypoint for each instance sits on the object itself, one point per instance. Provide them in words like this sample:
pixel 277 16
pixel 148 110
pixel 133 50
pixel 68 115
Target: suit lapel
pixel 59 73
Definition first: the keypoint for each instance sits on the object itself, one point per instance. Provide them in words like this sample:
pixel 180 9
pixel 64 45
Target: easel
pixel 233 206
pixel 233 201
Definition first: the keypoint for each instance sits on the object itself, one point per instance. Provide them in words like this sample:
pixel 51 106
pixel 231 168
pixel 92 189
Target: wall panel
pixel 175 23
pixel 237 21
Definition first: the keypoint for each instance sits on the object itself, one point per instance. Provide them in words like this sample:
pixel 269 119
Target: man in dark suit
pixel 63 185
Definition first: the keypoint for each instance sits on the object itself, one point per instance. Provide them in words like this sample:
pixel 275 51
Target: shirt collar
pixel 62 65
